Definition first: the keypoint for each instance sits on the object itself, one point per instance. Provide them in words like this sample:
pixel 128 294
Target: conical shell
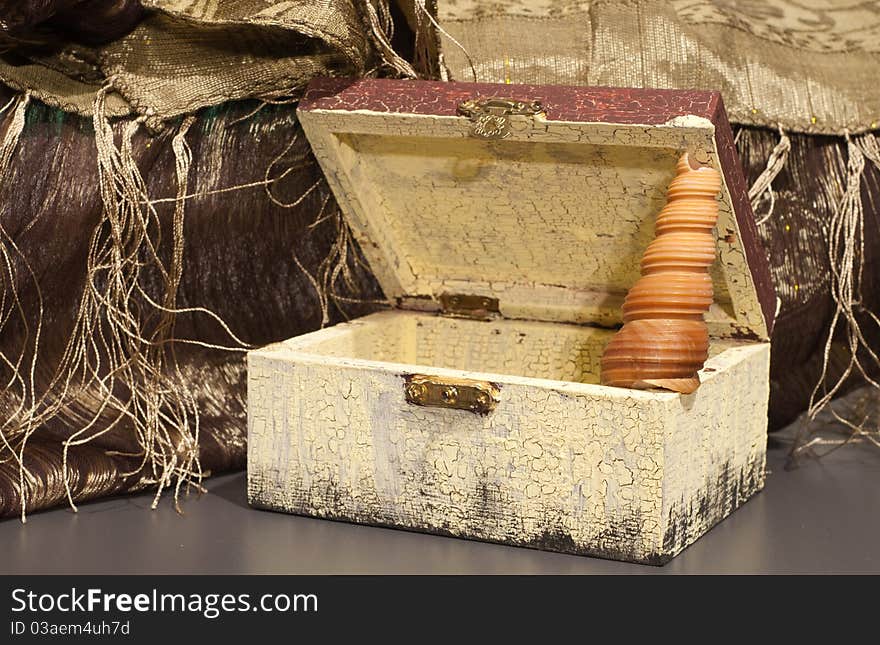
pixel 664 341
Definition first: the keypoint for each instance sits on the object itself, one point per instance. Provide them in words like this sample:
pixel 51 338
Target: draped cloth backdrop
pixel 160 211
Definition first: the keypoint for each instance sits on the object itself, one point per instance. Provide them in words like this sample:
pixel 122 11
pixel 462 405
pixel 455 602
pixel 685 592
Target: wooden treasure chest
pixel 507 223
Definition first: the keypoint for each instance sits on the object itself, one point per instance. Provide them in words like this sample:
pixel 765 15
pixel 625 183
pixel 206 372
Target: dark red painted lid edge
pixel 756 257
pixel 561 103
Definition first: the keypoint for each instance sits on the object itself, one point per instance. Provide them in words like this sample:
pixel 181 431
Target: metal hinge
pixel 469 306
pixel 490 117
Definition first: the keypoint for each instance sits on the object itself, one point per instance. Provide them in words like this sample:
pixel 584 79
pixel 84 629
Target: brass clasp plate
pixel 490 117
pixel 479 397
pixel 469 306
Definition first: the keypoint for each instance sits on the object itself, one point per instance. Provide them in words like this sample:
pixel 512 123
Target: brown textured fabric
pixel 808 189
pixel 39 22
pixel 144 254
pixel 239 263
pixel 805 66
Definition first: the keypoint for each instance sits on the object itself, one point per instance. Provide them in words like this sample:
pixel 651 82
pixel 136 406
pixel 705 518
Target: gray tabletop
pixel 822 517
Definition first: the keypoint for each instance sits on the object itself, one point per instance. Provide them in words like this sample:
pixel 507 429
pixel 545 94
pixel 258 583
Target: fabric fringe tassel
pixel 381 30
pixel 343 252
pixel 121 346
pixel 846 248
pixel 120 353
pixel 19 424
pixel 763 185
pixel 337 264
pixel 425 20
pixel 113 326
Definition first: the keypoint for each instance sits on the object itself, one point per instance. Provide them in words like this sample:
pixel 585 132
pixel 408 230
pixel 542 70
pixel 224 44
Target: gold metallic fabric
pixel 188 54
pixel 806 66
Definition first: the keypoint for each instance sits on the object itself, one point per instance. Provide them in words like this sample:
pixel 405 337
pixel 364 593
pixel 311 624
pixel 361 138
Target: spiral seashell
pixel 664 341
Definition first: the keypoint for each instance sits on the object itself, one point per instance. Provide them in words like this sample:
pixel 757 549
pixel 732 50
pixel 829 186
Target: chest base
pixel 560 463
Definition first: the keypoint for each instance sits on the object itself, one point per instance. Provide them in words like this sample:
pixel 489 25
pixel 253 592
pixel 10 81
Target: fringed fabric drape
pixel 153 230
pixel 160 211
pixel 96 369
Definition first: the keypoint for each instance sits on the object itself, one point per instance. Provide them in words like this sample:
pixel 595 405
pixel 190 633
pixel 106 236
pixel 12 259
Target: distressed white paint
pixel 559 464
pixel 551 221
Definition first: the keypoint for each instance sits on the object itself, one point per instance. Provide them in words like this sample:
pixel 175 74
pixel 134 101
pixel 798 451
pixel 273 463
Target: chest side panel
pixel 547 469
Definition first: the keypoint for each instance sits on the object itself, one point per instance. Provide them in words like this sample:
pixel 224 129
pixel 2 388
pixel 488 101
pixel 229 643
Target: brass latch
pixel 490 117
pixel 479 397
pixel 468 306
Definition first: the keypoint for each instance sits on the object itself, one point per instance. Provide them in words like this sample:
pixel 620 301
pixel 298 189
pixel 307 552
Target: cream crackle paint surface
pixel 558 465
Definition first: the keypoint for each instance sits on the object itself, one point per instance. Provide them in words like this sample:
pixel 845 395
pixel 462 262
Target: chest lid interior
pixel 542 215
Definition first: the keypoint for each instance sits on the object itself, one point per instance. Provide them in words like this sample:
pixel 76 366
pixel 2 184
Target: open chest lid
pixel 535 202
